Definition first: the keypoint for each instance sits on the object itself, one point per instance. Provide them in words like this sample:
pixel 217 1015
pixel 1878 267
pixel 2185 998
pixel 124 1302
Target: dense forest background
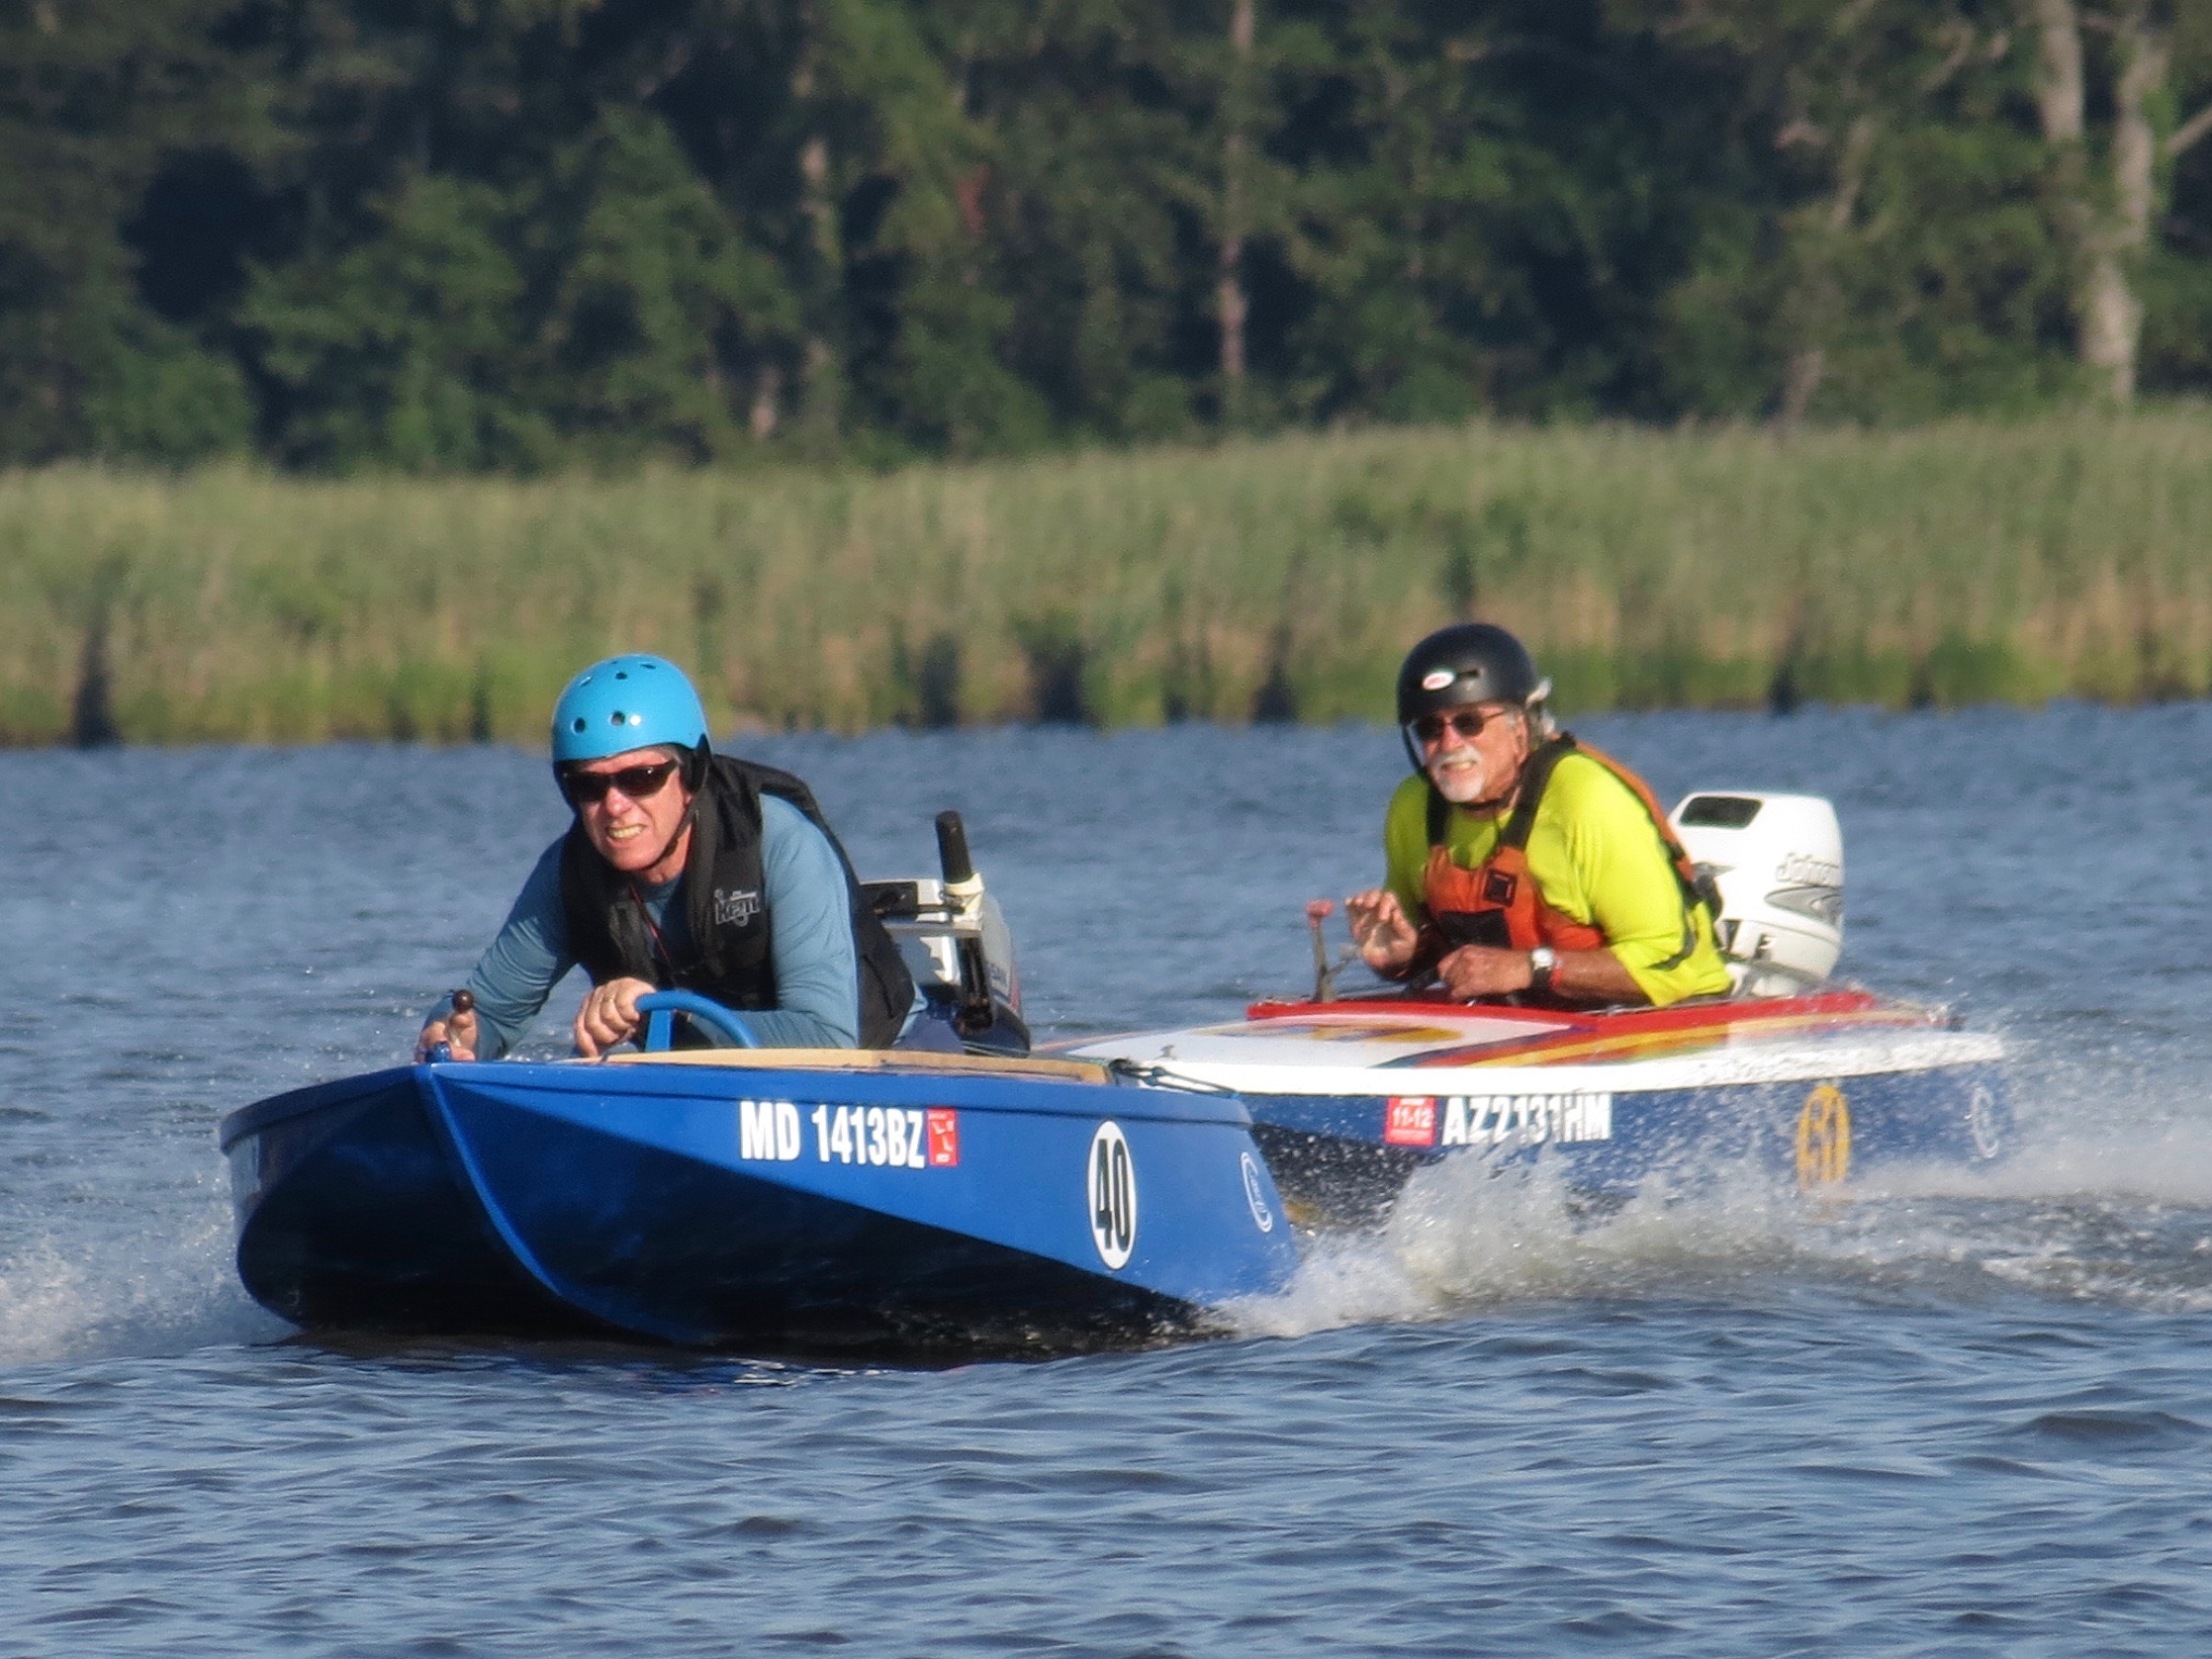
pixel 517 234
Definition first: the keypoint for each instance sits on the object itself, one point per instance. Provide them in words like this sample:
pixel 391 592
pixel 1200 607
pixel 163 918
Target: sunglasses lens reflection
pixel 588 789
pixel 1430 728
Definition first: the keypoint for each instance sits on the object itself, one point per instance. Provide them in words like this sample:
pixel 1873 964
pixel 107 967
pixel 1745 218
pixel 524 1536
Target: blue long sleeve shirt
pixel 818 972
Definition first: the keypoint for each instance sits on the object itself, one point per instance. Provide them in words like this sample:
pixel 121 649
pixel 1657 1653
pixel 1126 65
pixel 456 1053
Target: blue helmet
pixel 624 703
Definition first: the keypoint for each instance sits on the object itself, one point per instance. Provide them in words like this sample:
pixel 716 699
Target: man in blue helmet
pixel 683 870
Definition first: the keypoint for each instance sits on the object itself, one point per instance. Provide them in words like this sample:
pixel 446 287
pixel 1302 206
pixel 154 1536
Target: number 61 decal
pixel 1113 1195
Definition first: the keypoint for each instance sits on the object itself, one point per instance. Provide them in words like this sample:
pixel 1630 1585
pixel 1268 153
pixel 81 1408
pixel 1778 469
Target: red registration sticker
pixel 943 1136
pixel 1410 1121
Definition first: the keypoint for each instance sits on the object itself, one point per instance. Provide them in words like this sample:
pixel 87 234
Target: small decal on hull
pixel 1982 1122
pixel 943 1136
pixel 1526 1120
pixel 1823 1138
pixel 1111 1193
pixel 1256 1195
pixel 1410 1121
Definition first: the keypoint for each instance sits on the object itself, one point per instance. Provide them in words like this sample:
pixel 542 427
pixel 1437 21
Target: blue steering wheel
pixel 661 1008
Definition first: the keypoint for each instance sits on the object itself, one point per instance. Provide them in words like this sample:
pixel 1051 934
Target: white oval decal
pixel 1256 1196
pixel 1982 1122
pixel 1112 1188
pixel 1437 678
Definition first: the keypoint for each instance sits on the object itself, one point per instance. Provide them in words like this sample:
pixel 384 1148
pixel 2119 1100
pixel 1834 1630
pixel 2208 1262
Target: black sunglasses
pixel 589 789
pixel 1467 722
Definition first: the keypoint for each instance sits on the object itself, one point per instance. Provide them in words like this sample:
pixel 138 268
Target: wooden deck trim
pixel 873 1060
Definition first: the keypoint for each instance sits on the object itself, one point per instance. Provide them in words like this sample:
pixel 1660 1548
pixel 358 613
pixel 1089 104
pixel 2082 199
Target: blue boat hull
pixel 723 1205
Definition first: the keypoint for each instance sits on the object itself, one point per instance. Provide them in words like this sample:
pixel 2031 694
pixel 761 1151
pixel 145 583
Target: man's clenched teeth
pixel 1458 776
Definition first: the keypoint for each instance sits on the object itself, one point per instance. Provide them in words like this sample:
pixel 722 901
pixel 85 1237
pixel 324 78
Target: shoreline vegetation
pixel 1259 580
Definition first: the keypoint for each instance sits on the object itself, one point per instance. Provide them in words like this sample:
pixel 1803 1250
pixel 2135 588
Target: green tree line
pixel 519 235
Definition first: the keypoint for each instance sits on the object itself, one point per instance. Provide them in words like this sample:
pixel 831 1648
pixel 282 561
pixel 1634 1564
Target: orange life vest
pixel 1500 903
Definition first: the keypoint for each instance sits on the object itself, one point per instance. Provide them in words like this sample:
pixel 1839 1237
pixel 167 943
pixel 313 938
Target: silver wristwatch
pixel 1542 960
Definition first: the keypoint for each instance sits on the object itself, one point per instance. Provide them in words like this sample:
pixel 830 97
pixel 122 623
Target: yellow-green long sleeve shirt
pixel 1595 857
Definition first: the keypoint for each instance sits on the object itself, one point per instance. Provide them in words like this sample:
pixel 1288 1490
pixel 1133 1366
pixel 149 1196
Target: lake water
pixel 1964 1415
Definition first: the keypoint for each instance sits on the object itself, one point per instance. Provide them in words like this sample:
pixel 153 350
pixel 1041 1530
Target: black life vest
pixel 728 955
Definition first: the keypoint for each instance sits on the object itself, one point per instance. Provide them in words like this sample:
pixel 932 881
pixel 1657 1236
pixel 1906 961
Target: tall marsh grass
pixel 1283 578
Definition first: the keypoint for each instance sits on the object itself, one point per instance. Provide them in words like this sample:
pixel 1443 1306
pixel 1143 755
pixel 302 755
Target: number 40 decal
pixel 1113 1195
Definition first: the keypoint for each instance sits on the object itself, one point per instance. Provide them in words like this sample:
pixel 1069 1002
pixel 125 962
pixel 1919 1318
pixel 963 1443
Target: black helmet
pixel 1468 662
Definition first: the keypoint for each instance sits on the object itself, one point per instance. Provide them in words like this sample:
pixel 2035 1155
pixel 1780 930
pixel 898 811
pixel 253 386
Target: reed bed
pixel 1280 579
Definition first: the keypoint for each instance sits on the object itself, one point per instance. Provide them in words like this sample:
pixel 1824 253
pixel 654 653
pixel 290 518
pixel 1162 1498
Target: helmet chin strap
pixel 683 827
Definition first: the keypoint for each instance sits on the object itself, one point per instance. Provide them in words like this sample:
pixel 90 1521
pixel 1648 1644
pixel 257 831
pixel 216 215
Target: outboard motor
pixel 957 945
pixel 1778 862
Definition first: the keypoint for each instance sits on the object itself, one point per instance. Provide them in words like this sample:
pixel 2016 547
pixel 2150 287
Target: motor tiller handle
pixel 965 888
pixel 953 856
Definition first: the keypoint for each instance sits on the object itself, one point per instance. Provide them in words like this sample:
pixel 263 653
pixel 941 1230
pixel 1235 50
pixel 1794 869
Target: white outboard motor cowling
pixel 1778 860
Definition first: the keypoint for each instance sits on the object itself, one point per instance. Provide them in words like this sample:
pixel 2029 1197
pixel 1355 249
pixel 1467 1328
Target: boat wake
pixel 2125 1220
pixel 153 1291
pixel 1463 1239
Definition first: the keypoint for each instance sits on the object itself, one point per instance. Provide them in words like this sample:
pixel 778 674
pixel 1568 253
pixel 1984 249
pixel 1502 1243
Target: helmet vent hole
pixel 577 725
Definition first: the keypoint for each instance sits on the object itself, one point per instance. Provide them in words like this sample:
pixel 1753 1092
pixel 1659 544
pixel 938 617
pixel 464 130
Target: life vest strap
pixel 1494 886
pixel 1536 777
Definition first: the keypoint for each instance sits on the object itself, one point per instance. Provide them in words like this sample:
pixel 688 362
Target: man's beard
pixel 1462 785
